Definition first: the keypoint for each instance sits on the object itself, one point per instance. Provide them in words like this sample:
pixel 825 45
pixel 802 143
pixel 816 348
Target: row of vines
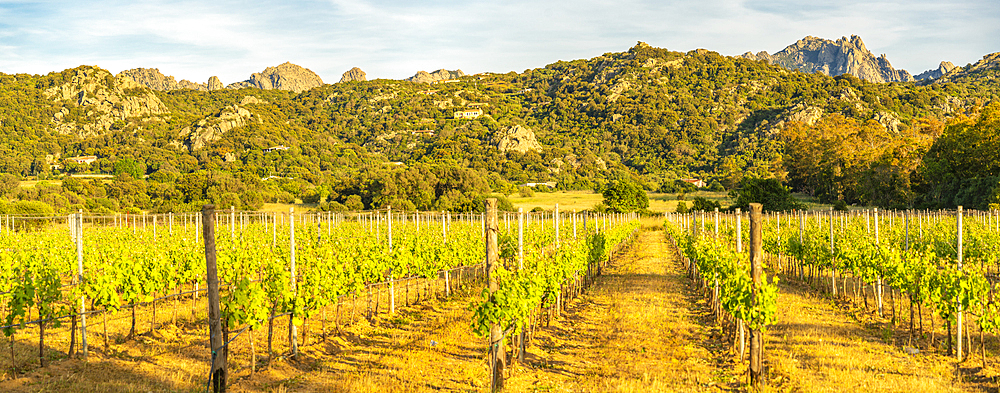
pixel 891 262
pixel 291 265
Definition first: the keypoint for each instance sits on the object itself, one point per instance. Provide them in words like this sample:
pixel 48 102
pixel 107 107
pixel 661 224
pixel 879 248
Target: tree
pixel 8 183
pixel 132 167
pixel 702 204
pixel 768 192
pixel 624 196
pixel 354 203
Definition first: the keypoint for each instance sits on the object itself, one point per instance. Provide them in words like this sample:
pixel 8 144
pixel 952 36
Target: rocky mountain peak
pixel 436 76
pixel 215 84
pixel 988 62
pixel 943 68
pixel 353 75
pixel 286 76
pixel 843 56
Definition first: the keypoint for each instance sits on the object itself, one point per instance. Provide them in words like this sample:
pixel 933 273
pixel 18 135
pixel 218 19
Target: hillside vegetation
pixel 651 114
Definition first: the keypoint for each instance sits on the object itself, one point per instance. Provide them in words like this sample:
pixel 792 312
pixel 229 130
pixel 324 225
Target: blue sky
pixel 394 39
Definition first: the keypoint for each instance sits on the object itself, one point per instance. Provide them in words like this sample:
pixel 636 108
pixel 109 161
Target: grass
pixel 815 346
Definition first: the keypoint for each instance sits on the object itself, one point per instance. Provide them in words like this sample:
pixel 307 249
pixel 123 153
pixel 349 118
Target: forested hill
pixel 648 113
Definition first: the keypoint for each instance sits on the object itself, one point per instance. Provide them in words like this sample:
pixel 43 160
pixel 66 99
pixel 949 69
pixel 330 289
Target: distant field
pixel 585 200
pixel 33 183
pixel 658 202
pixel 283 207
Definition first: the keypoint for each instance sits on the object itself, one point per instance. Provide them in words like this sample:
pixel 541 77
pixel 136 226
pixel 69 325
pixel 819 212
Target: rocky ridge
pixel 843 56
pixel 353 75
pixel 286 76
pixel 943 68
pixel 104 100
pixel 211 128
pixel 153 79
pixel 988 62
pixel 436 76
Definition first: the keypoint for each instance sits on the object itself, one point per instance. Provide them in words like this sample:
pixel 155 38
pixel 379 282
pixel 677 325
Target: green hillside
pixel 651 114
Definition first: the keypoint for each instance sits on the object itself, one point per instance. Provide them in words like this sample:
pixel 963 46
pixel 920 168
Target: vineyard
pixel 78 284
pixel 497 296
pixel 912 269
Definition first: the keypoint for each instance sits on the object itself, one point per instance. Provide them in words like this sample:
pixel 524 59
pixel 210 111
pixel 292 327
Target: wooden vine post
pixel 740 324
pixel 756 258
pixel 958 352
pixel 218 375
pixel 520 267
pixel 496 351
pixel 392 278
pixel 79 269
pixel 293 332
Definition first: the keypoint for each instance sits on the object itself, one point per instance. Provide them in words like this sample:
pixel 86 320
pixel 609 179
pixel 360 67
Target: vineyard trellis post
pixel 740 323
pixel 218 374
pixel 833 267
pixel 555 223
pixel 83 298
pixel 958 346
pixel 574 224
pixel 716 303
pixel 392 278
pixel 520 267
pixel 496 350
pixel 293 333
pixel 756 259
pixel 802 226
pixel 878 289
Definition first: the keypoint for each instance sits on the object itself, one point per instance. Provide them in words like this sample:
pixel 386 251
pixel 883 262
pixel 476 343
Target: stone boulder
pixel 517 138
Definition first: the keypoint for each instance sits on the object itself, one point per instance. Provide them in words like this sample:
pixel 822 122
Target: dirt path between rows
pixel 637 329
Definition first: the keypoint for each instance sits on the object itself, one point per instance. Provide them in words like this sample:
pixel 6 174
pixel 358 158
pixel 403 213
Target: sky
pixel 195 40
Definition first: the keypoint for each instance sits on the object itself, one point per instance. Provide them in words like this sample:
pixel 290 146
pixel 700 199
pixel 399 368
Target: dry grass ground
pixel 816 346
pixel 385 353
